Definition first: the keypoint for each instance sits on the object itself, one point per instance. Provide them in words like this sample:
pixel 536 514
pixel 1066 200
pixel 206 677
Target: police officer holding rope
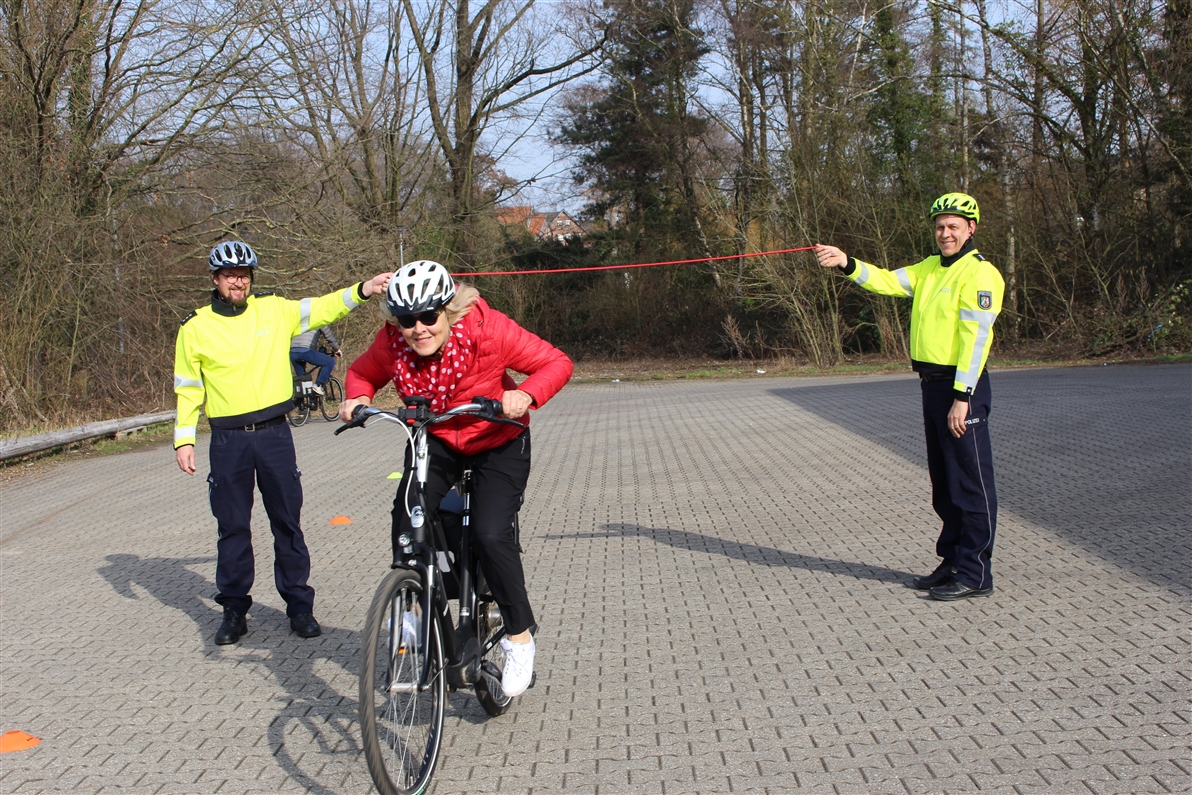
pixel 234 354
pixel 956 296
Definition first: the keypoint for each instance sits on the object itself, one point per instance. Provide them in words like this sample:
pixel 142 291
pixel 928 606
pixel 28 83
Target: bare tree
pixel 350 98
pixel 998 129
pixel 98 99
pixel 481 66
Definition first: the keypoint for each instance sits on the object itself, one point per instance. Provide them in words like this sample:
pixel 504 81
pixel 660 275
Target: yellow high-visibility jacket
pixel 952 312
pixel 238 359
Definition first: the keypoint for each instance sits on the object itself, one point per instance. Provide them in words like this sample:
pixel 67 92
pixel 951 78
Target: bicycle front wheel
pixel 299 414
pixel 400 725
pixel 332 397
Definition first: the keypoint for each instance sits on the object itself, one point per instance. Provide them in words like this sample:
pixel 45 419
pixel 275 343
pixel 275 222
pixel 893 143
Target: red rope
pixel 635 265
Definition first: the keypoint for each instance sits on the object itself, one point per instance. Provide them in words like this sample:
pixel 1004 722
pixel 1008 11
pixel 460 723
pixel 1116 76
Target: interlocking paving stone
pixel 720 571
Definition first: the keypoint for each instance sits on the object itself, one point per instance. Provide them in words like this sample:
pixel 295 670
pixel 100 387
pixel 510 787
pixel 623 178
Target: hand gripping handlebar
pixel 359 415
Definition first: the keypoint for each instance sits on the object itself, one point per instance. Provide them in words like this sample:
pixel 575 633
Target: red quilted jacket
pixel 500 344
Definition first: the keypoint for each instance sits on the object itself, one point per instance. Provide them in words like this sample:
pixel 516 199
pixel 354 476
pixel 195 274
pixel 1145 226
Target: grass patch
pixel 153 435
pixel 589 371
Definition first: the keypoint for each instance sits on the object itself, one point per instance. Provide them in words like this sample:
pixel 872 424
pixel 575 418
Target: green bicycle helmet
pixel 957 204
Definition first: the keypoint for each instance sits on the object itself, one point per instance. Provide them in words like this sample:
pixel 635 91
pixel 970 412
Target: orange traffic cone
pixel 16 741
pixel 341 519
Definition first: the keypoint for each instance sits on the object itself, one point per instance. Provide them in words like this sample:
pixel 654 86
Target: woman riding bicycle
pixel 448 345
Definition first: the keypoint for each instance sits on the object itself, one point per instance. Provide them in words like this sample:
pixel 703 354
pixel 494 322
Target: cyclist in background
pixel 305 348
pixel 448 345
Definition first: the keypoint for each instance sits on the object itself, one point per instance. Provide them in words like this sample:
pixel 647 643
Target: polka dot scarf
pixel 435 377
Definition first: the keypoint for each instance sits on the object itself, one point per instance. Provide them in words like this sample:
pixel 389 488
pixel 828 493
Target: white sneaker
pixel 409 632
pixel 318 390
pixel 519 667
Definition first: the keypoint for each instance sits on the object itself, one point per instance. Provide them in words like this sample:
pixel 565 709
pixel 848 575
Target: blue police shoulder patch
pixel 984 299
pixel 186 319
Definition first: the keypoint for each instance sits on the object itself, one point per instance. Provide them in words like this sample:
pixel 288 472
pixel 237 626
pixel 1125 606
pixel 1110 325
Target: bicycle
pixel 307 400
pixel 406 662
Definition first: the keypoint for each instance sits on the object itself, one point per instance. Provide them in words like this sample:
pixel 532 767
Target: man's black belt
pixel 936 377
pixel 256 426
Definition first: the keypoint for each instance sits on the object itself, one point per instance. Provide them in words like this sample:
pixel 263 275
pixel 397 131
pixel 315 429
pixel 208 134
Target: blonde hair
pixel 461 303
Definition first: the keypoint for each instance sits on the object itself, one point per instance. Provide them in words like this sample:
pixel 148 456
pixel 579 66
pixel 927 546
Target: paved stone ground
pixel 720 571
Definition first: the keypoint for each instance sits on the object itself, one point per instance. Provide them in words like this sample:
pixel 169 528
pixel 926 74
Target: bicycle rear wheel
pixel 488 687
pixel 299 414
pixel 332 397
pixel 401 727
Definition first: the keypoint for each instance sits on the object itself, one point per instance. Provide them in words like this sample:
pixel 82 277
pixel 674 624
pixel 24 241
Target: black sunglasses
pixel 425 318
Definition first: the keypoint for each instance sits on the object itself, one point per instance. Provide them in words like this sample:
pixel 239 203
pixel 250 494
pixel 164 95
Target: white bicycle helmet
pixel 420 286
pixel 231 254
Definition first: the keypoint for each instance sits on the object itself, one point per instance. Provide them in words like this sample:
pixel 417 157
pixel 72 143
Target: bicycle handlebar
pixel 417 412
pixel 359 415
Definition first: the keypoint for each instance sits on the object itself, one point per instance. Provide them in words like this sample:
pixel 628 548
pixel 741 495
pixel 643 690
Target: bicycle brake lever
pixel 491 408
pixel 359 415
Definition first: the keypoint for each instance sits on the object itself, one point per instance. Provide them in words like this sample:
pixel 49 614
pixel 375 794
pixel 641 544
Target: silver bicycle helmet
pixel 420 286
pixel 231 254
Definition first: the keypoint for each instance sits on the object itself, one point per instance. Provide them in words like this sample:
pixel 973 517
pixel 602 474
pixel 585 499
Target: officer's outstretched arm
pixel 899 283
pixel 309 313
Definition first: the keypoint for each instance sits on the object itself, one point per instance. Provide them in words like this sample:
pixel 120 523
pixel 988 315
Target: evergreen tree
pixel 634 129
pixel 904 119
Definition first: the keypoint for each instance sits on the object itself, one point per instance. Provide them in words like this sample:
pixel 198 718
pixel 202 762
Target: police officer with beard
pixel 234 355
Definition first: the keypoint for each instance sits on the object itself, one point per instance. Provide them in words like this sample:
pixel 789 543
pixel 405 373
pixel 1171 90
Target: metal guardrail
pixel 11 448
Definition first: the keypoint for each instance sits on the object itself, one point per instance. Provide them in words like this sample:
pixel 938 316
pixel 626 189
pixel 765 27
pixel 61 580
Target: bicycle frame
pixel 420 552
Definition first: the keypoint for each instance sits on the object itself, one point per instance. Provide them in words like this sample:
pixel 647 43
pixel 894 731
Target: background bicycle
pixel 307 401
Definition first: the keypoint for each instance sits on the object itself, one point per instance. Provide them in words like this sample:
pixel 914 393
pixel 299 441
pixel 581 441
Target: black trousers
pixel 962 488
pixel 238 458
pixel 499 479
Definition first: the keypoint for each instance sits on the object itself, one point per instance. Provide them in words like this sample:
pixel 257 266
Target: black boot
pixel 234 625
pixel 942 574
pixel 305 625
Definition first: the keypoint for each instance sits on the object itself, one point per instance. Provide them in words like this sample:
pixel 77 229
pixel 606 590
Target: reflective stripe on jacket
pixel 952 313
pixel 240 365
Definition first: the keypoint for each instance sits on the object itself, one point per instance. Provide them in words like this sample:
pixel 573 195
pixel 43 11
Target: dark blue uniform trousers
pixel 962 490
pixel 268 454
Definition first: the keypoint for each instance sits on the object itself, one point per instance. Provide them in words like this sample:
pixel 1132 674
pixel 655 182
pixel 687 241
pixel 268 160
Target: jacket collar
pixel 222 307
pixel 966 248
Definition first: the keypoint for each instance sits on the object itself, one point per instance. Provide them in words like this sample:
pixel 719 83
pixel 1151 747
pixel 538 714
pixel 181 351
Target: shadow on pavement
pixel 289 661
pixel 1102 456
pixel 749 553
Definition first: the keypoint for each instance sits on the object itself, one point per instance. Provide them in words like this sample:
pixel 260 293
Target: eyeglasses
pixel 228 277
pixel 425 318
